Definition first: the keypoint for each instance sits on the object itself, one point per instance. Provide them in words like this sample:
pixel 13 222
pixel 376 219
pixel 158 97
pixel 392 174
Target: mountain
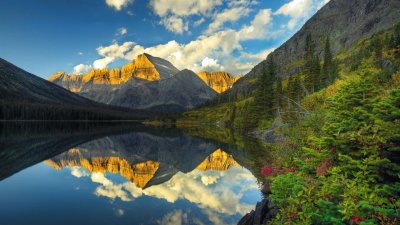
pixel 184 90
pixel 343 21
pixel 26 96
pixel 219 81
pixel 147 82
pixel 142 174
pixel 144 67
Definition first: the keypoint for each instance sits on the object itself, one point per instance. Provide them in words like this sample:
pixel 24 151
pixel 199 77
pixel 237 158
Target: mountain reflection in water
pixel 136 176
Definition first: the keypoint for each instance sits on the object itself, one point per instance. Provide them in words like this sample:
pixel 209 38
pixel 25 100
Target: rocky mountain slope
pixel 184 90
pixel 19 85
pixel 26 96
pixel 343 21
pixel 146 83
pixel 219 81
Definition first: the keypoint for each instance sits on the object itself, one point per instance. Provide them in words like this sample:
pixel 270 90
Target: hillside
pixel 344 22
pixel 334 149
pixel 26 96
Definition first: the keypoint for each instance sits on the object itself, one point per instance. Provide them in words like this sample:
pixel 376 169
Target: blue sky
pixel 45 36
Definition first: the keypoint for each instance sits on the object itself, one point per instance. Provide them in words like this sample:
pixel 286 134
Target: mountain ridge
pixel 362 18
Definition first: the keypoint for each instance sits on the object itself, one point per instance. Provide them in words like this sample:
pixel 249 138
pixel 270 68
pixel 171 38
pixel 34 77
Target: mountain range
pixel 149 83
pixel 24 96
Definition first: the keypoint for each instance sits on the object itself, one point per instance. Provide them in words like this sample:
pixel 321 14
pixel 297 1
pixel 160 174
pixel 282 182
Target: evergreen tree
pixel 378 50
pixel 310 65
pixel 261 95
pixel 327 74
pixel 316 71
pixel 278 96
pixel 396 36
pixel 264 94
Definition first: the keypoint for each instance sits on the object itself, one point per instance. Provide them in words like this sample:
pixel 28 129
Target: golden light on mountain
pixel 141 68
pixel 218 160
pixel 219 81
pixel 139 174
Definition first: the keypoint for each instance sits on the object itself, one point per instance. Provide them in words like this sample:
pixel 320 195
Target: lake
pixel 114 173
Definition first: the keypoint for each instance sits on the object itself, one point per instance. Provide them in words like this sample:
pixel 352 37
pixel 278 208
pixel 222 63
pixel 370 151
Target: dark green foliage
pixel 312 67
pixel 309 79
pixel 378 47
pixel 329 73
pixel 278 96
pixel 44 111
pixel 264 94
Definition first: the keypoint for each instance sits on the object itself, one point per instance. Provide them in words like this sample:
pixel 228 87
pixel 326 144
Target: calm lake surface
pixel 120 174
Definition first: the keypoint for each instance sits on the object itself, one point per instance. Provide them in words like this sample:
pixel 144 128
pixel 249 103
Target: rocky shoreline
pixel 265 210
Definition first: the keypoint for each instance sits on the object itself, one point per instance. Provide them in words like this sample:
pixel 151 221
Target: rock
pixel 248 219
pixel 264 212
pixel 219 81
pixel 265 189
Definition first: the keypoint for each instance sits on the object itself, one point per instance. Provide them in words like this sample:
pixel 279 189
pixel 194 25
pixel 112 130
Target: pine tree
pixel 378 50
pixel 310 68
pixel 278 96
pixel 264 95
pixel 328 76
pixel 261 95
pixel 316 71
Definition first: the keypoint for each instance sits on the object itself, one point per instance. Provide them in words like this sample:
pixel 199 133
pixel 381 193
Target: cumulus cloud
pixel 79 172
pixel 211 64
pixel 258 27
pixel 81 69
pixel 223 197
pixel 103 62
pixel 118 4
pixel 183 7
pixel 299 10
pixel 229 15
pixel 175 24
pixel 175 13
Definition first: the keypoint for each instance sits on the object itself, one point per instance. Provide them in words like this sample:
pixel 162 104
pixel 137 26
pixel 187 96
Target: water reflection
pixel 142 176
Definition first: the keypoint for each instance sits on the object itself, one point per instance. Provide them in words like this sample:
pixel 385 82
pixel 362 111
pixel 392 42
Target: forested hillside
pixel 340 118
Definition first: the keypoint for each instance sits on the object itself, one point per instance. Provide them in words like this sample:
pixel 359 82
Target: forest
pixel 340 118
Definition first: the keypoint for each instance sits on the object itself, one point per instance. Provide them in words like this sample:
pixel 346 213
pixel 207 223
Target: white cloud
pixel 121 31
pixel 258 27
pixel 223 197
pixel 257 56
pixel 111 53
pixel 219 46
pixel 79 172
pixel 115 50
pixel 211 64
pixel 208 180
pixel 118 4
pixel 175 24
pixel 175 13
pixel 229 15
pixel 80 53
pixel 81 69
pixel 183 7
pixel 102 63
pixel 299 10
